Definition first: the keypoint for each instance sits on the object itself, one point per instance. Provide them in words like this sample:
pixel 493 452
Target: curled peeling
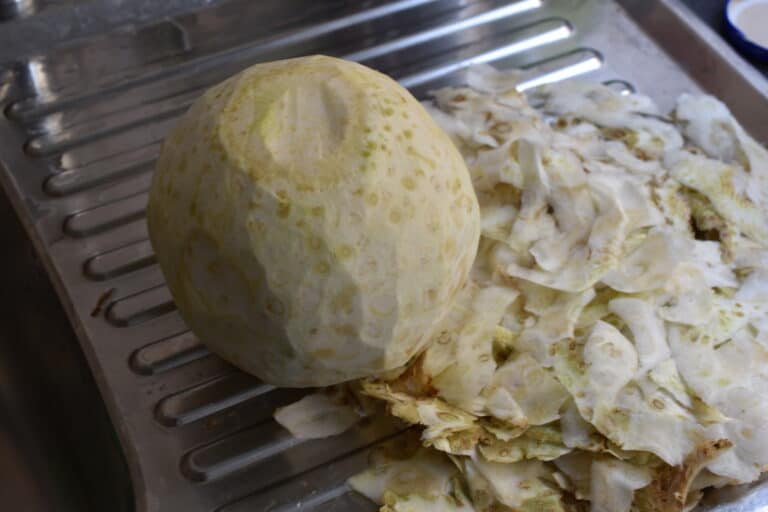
pixel 317 416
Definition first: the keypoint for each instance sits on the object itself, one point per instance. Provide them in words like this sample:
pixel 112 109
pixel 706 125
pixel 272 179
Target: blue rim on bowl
pixel 743 32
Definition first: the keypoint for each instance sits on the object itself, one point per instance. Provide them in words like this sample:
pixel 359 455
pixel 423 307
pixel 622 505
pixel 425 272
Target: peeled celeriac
pixel 312 221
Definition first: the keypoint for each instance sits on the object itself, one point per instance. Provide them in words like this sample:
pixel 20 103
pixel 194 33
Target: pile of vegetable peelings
pixel 610 352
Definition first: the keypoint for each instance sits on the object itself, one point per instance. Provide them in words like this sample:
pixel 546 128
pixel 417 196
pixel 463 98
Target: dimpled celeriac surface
pixel 312 221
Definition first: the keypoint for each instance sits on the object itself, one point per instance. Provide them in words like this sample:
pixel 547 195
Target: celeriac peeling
pixel 629 370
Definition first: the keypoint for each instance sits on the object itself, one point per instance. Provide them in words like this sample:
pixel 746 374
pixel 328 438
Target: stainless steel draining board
pixel 28 25
pixel 80 133
pixel 11 9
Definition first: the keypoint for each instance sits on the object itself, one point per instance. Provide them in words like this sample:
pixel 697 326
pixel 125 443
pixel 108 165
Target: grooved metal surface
pixel 12 9
pixel 82 128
